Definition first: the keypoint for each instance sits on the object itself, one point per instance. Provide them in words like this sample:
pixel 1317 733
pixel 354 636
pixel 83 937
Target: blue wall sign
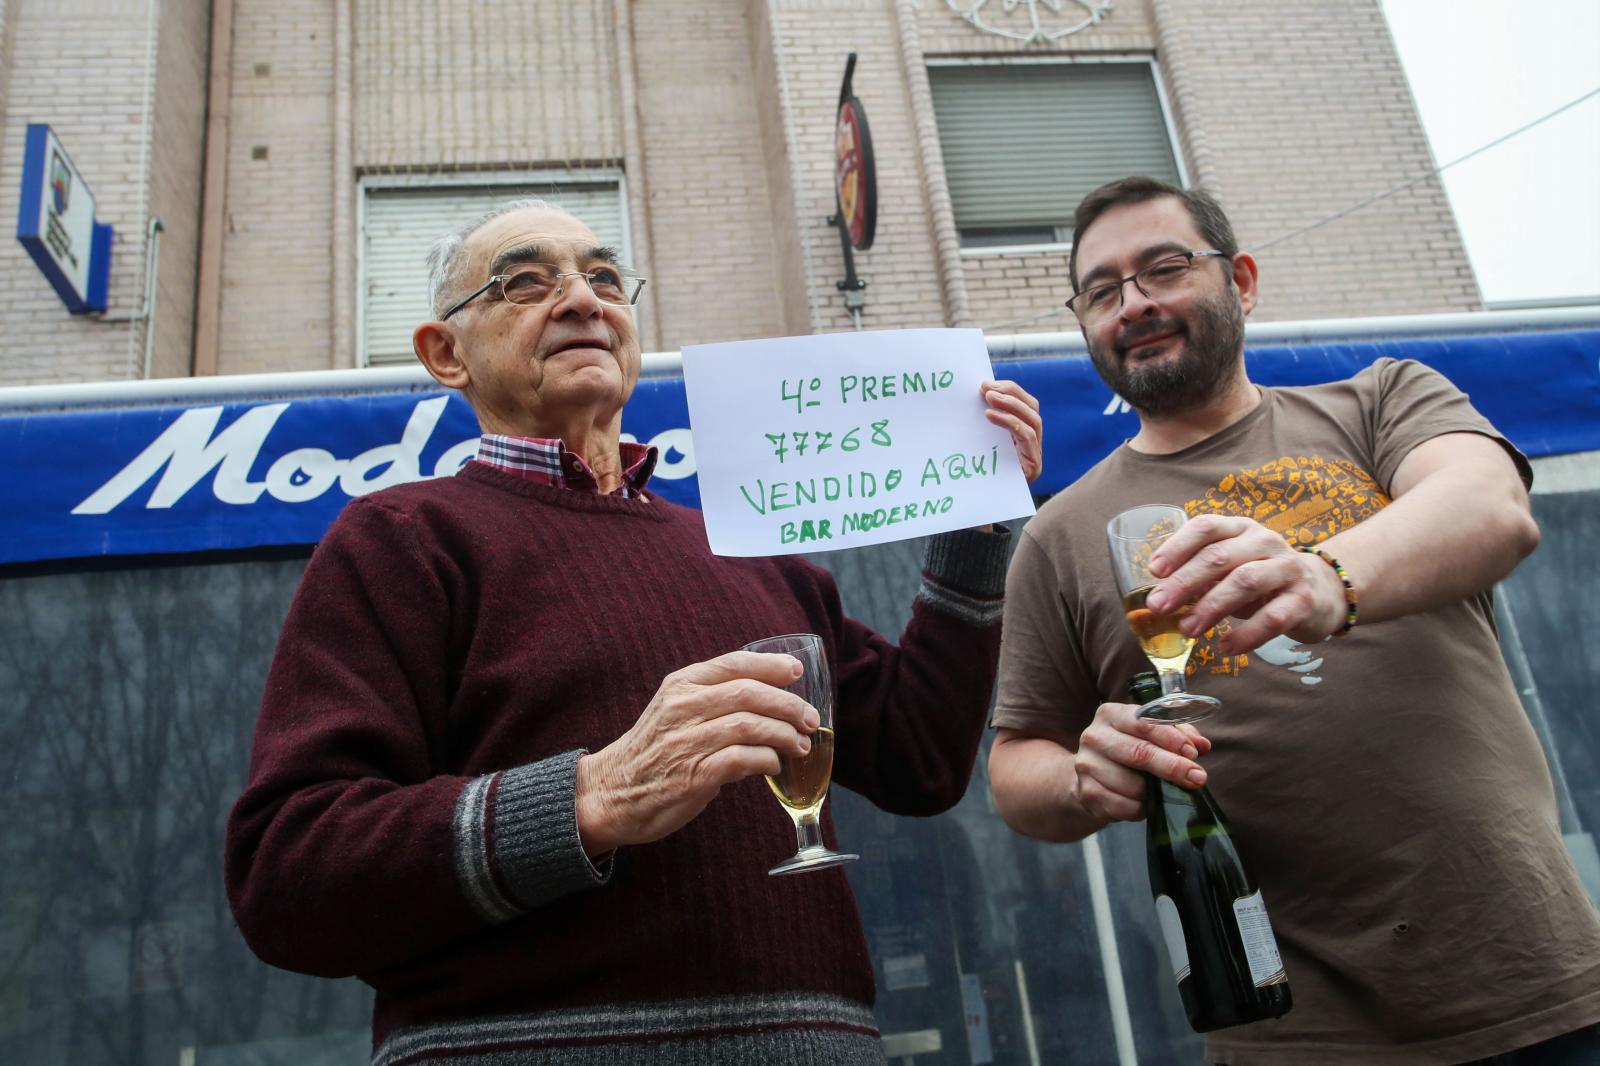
pixel 55 223
pixel 230 476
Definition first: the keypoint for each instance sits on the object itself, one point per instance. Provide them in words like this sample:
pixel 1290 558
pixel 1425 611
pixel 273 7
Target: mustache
pixel 1140 332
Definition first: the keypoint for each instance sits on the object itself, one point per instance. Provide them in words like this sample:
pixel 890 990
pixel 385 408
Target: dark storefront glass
pixel 122 746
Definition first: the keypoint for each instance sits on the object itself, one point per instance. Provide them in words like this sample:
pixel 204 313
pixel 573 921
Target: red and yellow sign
pixel 854 178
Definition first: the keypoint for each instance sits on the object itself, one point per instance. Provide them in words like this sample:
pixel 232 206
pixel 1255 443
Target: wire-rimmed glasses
pixel 1133 537
pixel 1161 278
pixel 535 283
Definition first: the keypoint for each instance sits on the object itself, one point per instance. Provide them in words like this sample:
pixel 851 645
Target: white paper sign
pixel 818 443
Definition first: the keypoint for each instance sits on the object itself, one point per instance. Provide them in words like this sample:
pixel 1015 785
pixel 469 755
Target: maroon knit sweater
pixel 454 644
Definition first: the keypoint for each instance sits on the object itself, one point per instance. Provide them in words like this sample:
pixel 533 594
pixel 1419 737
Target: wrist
pixel 596 826
pixel 1076 818
pixel 1337 615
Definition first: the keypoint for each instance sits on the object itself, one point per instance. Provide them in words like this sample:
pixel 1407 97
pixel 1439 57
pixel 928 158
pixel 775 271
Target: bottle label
pixel 1260 946
pixel 1172 933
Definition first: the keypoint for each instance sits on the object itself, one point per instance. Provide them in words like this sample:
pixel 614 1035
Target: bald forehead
pixel 542 228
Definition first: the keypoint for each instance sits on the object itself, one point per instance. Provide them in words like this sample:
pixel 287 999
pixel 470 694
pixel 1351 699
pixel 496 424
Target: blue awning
pixel 226 476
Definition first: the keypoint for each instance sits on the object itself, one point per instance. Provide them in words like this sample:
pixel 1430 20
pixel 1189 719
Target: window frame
pixel 366 184
pixel 1173 140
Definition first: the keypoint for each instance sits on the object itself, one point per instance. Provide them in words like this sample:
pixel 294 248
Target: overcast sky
pixel 1529 209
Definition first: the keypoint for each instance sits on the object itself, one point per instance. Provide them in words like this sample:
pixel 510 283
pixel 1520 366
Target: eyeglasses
pixel 535 283
pixel 1161 278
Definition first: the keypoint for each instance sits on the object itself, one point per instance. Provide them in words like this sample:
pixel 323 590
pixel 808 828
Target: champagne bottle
pixel 1212 917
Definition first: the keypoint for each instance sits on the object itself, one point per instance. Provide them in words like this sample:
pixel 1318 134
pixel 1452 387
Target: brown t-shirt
pixel 1387 789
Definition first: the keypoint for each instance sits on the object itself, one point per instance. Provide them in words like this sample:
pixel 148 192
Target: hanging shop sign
pixel 855 176
pixel 56 224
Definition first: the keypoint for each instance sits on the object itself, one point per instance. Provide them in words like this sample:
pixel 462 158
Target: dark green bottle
pixel 1210 909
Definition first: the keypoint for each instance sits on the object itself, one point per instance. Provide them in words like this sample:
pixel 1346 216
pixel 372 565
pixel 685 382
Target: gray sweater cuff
pixel 517 844
pixel 964 574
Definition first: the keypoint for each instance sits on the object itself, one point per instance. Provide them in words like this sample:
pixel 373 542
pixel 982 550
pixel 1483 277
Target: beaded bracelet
pixel 1344 579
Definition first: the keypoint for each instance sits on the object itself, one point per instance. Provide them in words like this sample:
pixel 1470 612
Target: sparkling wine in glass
pixel 801 784
pixel 1133 536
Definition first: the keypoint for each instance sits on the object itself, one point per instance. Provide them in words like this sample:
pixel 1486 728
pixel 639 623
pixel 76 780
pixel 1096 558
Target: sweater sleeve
pixel 911 716
pixel 352 848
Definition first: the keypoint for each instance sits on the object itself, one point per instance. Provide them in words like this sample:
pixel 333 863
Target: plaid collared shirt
pixel 548 462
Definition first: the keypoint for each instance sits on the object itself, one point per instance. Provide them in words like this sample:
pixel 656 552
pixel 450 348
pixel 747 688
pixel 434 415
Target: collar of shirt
pixel 548 462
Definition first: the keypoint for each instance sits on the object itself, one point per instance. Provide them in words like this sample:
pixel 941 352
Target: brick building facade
pixel 261 132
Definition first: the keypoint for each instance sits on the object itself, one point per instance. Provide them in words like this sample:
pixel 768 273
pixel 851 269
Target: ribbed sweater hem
pixel 784 1029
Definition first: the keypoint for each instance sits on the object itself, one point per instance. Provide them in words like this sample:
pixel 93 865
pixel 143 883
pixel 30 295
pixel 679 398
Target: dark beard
pixel 1213 345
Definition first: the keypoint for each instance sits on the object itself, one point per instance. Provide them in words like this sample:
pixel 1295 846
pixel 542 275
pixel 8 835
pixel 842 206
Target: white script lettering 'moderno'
pixel 186 452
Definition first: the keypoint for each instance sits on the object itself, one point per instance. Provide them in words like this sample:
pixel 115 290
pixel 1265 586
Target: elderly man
pixel 508 768
pixel 1386 787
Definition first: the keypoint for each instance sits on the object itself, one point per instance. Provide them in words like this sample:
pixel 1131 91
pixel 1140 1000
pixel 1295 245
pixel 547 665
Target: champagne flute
pixel 1133 536
pixel 802 783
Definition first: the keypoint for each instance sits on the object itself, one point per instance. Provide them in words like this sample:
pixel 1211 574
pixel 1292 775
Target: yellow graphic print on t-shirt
pixel 1304 499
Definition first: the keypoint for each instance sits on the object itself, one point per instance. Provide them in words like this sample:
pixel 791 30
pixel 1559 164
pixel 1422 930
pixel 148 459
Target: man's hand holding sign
pixel 836 441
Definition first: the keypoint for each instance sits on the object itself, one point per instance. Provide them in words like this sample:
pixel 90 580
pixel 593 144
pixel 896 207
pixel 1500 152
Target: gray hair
pixel 445 259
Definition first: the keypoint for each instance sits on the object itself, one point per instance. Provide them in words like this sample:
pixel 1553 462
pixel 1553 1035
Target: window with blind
pixel 1023 142
pixel 401 223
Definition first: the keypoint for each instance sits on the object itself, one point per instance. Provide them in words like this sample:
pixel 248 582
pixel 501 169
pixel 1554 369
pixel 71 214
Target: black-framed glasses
pixel 1161 278
pixel 535 283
